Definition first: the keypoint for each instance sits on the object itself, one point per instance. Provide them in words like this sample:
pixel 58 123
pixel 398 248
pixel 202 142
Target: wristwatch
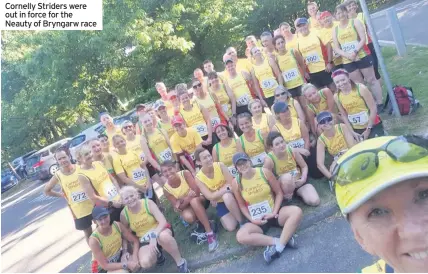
pixel 110 204
pixel 153 235
pixel 125 266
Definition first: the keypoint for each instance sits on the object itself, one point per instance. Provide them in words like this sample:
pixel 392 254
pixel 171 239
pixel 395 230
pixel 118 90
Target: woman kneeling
pixel 145 219
pixel 260 197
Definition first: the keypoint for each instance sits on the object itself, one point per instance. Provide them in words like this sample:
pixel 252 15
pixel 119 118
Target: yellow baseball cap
pixel 389 172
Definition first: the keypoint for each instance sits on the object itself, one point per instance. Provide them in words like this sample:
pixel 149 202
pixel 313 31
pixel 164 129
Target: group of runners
pixel 244 141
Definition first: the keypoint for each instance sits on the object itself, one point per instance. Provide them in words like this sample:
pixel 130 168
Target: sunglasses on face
pixel 281 94
pixel 403 149
pixel 128 127
pixel 325 120
pixel 197 86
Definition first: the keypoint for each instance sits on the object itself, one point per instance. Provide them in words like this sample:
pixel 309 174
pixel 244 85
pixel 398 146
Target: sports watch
pixel 153 235
pixel 125 266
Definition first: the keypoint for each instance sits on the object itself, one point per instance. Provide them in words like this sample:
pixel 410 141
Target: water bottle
pixel 186 224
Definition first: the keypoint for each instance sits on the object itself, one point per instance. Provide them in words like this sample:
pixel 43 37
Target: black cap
pixel 99 212
pixel 239 156
pixel 280 107
pixel 323 115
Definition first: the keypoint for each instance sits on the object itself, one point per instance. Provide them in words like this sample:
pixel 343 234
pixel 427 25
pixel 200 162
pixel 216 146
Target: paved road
pixel 328 246
pixel 413 18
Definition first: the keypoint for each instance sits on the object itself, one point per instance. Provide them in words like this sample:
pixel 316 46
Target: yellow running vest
pixel 311 48
pixel 130 164
pixel 240 89
pixel 348 40
pixel 267 79
pixel 326 35
pixel 215 183
pixel 355 107
pixel 257 194
pixel 224 100
pixel 287 165
pixel 263 125
pixel 290 70
pixel 225 155
pixel 135 146
pixel 195 119
pixel 76 197
pixel 293 135
pixel 100 181
pixel 142 221
pixel 111 245
pixel 208 104
pixel 181 190
pixel 291 107
pixel 255 149
pixel 322 105
pixel 159 146
pixel 336 144
pixel 167 127
pixel 108 162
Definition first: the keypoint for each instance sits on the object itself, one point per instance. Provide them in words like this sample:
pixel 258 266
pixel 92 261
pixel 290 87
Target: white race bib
pixel 312 57
pixel 300 143
pixel 110 190
pixel 215 121
pixel 201 129
pixel 225 108
pixel 243 100
pixel 233 171
pixel 293 173
pixel 349 46
pixel 258 159
pixel 359 119
pixel 193 157
pixel 290 75
pixel 269 83
pixel 145 238
pixel 257 211
pixel 78 197
pixel 115 258
pixel 166 155
pixel 138 174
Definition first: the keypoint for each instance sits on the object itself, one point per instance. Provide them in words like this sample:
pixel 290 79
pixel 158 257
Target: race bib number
pixel 297 143
pixel 138 174
pixel 110 190
pixel 293 173
pixel 166 155
pixel 78 197
pixel 359 119
pixel 146 238
pixel 215 121
pixel 201 129
pixel 349 47
pixel 290 75
pixel 312 58
pixel 269 83
pixel 257 211
pixel 115 258
pixel 258 159
pixel 243 100
pixel 233 171
pixel 225 108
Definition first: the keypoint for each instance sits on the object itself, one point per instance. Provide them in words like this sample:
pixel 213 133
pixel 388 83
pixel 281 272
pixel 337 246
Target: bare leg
pixel 167 241
pixel 232 206
pixel 251 234
pixel 228 222
pixel 87 233
pixel 375 87
pixel 287 185
pixel 309 195
pixel 201 214
pixel 188 215
pixel 146 257
pixel 289 218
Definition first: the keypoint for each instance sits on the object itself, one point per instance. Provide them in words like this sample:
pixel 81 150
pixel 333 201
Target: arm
pixel 241 202
pixel 216 195
pixel 176 203
pixel 99 256
pixel 268 164
pixel 87 187
pixel 303 169
pixel 207 119
pixel 344 114
pixel 320 159
pixel 214 155
pixel 329 66
pixel 219 108
pixel 336 45
pixel 148 154
pixel 131 238
pixel 114 181
pixel 330 100
pixel 301 63
pixel 231 97
pixel 299 110
pixel 305 135
pixel 186 163
pixel 368 98
pixel 239 147
pixel 361 34
pixel 276 189
pixel 350 141
pixel 276 71
pixel 191 182
pixel 160 218
pixel 257 88
pixel 49 188
pixel 125 223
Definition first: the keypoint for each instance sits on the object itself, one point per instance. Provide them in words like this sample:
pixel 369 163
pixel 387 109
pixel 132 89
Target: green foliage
pixel 54 83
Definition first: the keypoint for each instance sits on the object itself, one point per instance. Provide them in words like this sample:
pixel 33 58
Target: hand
pixel 133 264
pixel 307 76
pixel 154 246
pixel 352 56
pixel 329 67
pixel 264 104
pixel 356 136
pixel 314 142
pixel 259 222
pixel 366 133
pixel 193 172
pixel 125 257
pixel 224 188
pixel 269 216
pixel 213 203
pixel 192 193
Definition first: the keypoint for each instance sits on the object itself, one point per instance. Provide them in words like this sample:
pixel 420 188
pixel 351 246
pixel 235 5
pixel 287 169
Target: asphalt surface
pixel 412 15
pixel 328 246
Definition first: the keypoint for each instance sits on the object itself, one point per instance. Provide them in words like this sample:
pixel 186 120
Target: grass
pixel 411 71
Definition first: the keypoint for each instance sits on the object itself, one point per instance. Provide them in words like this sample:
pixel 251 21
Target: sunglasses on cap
pixel 325 120
pixel 361 165
pixel 197 86
pixel 281 94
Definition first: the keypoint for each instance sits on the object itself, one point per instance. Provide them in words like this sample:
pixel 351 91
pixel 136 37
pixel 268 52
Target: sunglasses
pixel 128 127
pixel 197 86
pixel 281 94
pixel 325 120
pixel 359 166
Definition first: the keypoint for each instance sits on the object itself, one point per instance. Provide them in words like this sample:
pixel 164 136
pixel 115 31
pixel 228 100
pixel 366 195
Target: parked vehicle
pixel 8 180
pixel 85 135
pixel 42 165
pixel 19 164
pixel 130 115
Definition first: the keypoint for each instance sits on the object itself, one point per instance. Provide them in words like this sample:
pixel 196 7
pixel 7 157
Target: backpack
pixel 406 101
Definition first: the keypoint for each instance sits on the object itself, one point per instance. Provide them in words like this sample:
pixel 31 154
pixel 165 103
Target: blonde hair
pixel 127 189
pixel 252 102
pixel 117 136
pixel 308 86
pixel 85 147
